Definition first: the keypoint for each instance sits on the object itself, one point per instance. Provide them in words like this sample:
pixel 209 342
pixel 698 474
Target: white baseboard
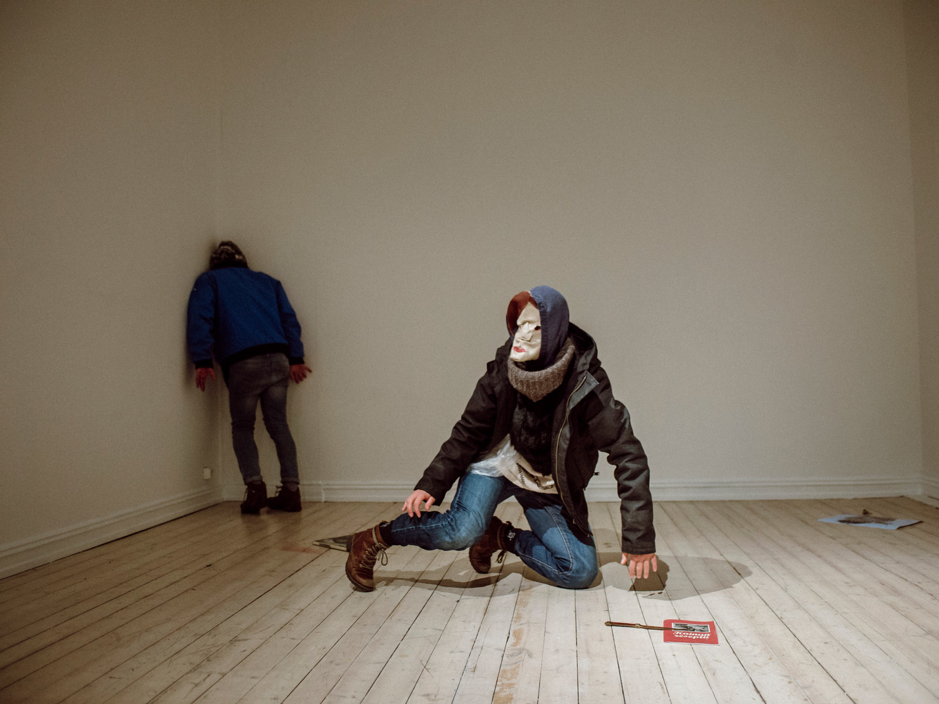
pixel 341 492
pixel 930 487
pixel 760 490
pixel 923 499
pixel 32 552
pixel 662 490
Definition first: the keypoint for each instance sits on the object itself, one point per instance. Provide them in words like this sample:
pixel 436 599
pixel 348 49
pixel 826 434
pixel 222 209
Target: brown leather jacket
pixel 588 420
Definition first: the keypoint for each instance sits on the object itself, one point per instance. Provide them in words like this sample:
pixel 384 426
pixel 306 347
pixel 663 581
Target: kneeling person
pixel 531 430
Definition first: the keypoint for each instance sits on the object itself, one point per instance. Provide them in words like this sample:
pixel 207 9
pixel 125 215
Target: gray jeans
pixel 263 378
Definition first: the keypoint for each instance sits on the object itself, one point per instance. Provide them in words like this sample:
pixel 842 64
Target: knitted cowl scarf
pixel 538 387
pixel 538 384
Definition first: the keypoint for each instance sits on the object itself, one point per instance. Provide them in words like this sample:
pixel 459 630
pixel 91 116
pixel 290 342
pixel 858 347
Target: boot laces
pixel 377 548
pixel 374 551
pixel 501 540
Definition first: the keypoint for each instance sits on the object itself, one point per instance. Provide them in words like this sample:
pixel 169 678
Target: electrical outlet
pixel 206 472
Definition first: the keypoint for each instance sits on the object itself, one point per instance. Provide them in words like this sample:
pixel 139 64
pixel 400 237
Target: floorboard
pixel 219 608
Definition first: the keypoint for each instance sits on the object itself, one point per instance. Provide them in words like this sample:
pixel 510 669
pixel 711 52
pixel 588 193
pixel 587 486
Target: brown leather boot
pixel 255 497
pixel 363 551
pixel 493 540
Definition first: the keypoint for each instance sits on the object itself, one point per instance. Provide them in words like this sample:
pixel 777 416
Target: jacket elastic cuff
pixel 639 549
pixel 431 489
pixel 203 363
pixel 296 360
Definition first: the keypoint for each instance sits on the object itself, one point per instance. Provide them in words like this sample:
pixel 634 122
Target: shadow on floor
pixel 704 571
pixel 707 574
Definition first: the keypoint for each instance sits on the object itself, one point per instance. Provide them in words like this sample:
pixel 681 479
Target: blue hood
pixel 555 318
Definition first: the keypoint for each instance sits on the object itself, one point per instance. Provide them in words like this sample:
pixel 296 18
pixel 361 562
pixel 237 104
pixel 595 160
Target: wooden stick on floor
pixel 637 625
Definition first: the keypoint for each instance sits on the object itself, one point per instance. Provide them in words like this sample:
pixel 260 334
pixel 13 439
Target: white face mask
pixel 527 343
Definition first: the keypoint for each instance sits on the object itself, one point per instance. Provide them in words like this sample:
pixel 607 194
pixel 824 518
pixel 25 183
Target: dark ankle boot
pixel 285 500
pixel 255 498
pixel 363 551
pixel 493 540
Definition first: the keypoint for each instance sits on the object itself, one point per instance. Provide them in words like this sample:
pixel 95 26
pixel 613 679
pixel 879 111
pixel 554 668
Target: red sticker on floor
pixel 690 631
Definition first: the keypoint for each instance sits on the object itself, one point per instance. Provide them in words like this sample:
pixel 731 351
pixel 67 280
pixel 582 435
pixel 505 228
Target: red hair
pixel 516 305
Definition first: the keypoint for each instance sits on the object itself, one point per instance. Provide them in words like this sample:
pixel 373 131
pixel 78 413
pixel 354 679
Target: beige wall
pixel 722 190
pixel 108 144
pixel 922 32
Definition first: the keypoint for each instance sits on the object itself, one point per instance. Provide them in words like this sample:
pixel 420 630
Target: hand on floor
pixel 639 564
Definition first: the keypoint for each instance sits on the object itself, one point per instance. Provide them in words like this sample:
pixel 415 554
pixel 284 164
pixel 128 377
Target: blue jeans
pixel 262 378
pixel 554 547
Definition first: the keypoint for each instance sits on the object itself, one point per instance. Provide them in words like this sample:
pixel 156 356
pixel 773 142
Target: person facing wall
pixel 243 318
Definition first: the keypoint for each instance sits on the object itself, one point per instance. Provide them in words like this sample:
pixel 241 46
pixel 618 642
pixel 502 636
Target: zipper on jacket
pixel 557 447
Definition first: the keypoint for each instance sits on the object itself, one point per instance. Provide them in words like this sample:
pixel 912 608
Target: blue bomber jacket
pixel 238 313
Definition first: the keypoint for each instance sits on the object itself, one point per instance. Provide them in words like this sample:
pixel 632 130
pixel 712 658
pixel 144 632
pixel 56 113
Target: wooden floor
pixel 217 607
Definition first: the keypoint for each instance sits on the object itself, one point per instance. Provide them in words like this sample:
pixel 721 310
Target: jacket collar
pixel 585 346
pixel 581 382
